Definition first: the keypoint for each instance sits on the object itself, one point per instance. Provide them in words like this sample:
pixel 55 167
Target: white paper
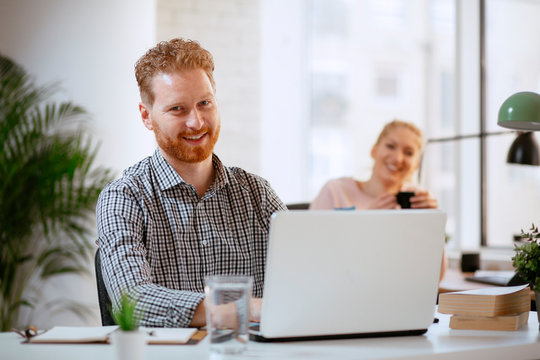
pixel 74 334
pixel 87 334
pixel 496 290
pixel 168 335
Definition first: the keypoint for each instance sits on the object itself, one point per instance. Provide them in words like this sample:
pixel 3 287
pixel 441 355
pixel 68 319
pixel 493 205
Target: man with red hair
pixel 180 215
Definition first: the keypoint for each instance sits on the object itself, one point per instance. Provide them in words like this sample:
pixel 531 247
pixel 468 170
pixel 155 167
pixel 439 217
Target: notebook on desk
pixel 500 278
pixel 338 274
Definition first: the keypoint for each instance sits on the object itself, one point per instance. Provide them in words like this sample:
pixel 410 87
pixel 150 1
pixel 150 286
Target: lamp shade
pixel 521 111
pixel 524 150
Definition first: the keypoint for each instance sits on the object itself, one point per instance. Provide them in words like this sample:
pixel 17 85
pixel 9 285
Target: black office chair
pixel 103 296
pixel 298 206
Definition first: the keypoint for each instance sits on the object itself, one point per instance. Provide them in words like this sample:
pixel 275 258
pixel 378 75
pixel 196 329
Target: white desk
pixel 440 342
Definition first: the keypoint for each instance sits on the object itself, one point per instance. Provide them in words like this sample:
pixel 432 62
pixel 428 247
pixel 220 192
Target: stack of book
pixel 494 308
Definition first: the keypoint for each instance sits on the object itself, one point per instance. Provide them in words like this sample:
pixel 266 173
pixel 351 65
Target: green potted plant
pixel 128 339
pixel 126 316
pixel 48 191
pixel 526 261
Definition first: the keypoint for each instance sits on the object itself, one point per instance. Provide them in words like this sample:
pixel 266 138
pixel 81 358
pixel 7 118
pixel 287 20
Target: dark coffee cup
pixel 470 262
pixel 404 199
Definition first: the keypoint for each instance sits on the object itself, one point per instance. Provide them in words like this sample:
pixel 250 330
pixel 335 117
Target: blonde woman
pixel 396 155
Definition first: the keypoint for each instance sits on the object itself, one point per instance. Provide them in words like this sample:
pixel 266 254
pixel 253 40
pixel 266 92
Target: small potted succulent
pixel 526 261
pixel 128 339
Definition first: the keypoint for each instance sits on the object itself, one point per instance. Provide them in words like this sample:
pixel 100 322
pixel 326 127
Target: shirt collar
pixel 220 179
pixel 167 177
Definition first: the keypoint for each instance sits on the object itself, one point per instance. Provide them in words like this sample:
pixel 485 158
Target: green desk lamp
pixel 521 111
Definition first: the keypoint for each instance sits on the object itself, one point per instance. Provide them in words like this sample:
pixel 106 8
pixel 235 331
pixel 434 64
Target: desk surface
pixel 454 280
pixel 440 342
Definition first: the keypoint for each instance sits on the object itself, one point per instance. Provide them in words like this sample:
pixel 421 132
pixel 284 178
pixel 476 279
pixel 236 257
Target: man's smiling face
pixel 184 115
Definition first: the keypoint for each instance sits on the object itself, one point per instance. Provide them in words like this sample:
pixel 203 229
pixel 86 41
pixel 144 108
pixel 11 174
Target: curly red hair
pixel 170 56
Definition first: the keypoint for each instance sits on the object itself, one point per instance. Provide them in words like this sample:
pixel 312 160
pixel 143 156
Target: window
pixel 512 58
pixel 339 69
pixel 371 62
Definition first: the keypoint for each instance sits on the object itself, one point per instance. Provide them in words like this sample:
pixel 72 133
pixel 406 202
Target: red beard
pixel 178 149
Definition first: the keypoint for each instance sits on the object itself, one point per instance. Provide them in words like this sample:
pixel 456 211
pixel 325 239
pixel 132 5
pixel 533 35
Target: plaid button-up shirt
pixel 159 239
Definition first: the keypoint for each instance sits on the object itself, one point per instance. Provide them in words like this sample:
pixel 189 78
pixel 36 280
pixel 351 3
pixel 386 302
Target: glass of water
pixel 227 312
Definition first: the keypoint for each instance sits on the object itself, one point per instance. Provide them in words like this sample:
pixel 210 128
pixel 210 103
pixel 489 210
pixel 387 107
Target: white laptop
pixel 338 274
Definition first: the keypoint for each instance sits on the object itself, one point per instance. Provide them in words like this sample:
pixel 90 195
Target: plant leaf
pixel 48 189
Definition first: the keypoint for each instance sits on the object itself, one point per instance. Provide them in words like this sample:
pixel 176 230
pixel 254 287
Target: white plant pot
pixel 129 345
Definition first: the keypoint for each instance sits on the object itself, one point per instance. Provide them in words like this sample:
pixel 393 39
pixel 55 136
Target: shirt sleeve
pixel 273 202
pixel 121 227
pixel 267 200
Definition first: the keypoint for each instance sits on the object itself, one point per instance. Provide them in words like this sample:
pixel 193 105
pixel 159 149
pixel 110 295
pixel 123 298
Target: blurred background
pixel 304 87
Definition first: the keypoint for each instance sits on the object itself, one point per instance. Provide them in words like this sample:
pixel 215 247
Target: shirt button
pixel 204 242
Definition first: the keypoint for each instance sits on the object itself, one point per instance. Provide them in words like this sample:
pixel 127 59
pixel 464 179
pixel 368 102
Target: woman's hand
pixel 422 199
pixel 384 201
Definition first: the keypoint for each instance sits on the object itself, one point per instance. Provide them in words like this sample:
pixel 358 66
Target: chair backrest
pixel 298 206
pixel 103 296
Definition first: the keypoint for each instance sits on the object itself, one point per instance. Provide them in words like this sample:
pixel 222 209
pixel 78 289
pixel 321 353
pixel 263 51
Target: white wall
pixel 229 29
pixel 90 48
pixel 258 72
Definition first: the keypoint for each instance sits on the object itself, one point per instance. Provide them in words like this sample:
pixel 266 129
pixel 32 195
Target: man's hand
pixel 224 316
pixel 255 306
pixel 199 317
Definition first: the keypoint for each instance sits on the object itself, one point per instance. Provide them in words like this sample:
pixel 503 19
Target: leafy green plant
pixel 48 189
pixel 527 258
pixel 126 315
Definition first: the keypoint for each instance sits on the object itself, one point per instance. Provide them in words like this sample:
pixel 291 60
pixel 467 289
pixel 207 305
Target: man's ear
pixel 145 116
